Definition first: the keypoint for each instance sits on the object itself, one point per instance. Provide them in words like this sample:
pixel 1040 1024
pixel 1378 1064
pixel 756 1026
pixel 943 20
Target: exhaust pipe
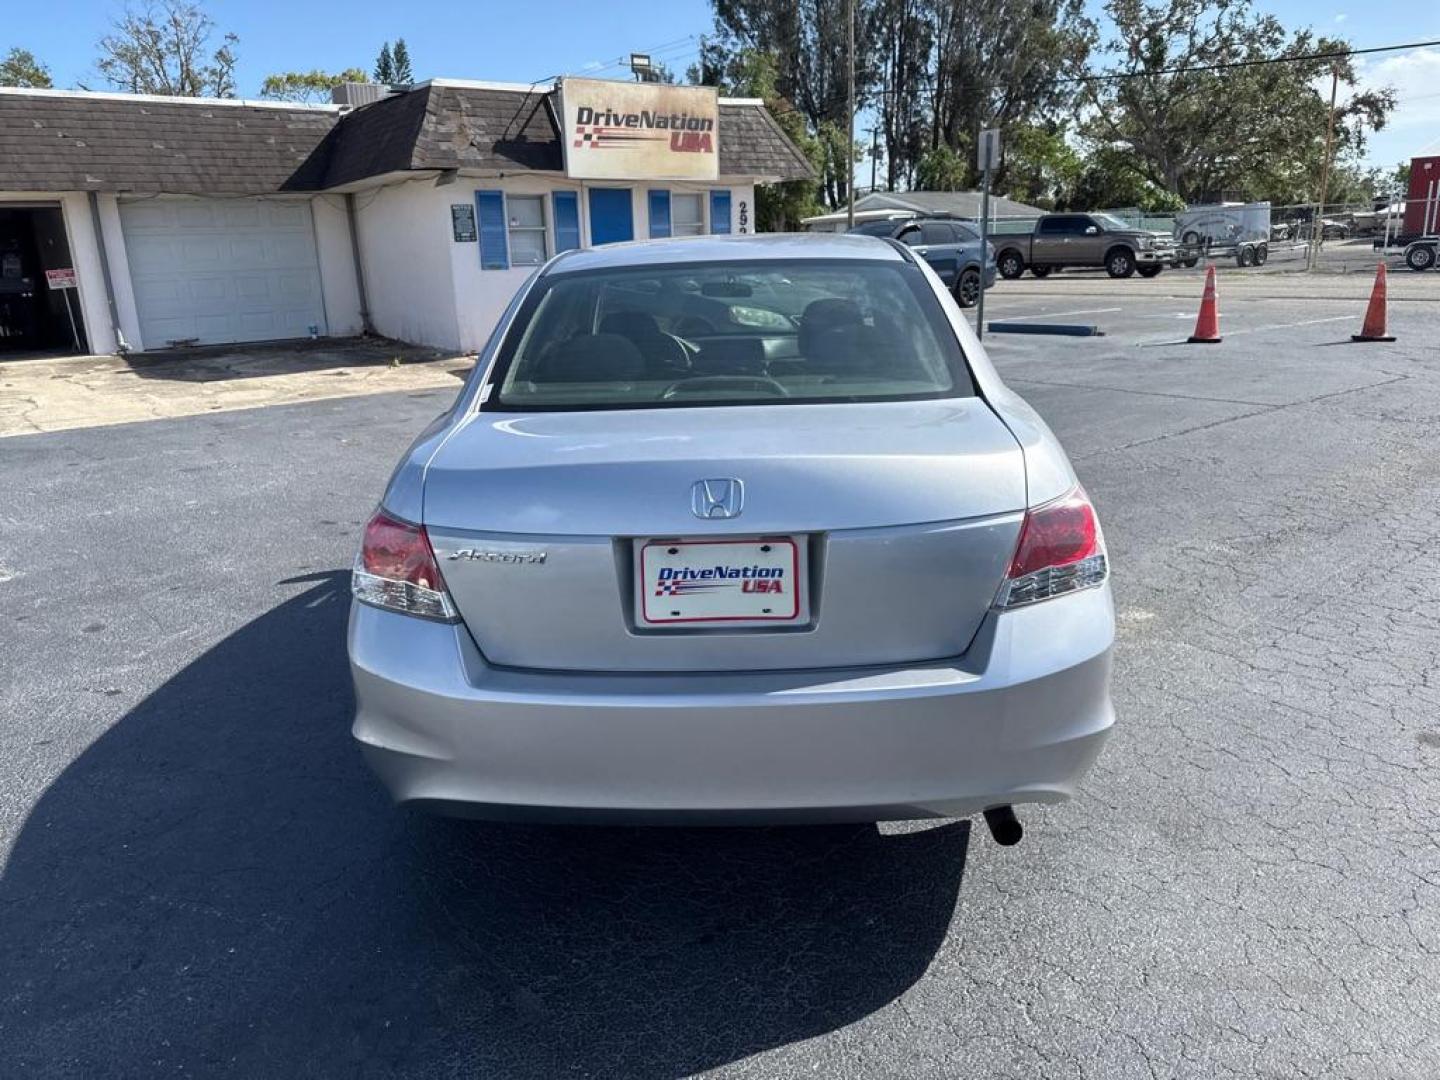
pixel 1005 827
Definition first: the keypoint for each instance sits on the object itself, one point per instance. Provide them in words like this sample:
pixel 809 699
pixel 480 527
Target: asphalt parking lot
pixel 199 878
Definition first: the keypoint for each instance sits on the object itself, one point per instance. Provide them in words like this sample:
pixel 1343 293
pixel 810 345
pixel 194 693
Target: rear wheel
pixel 1120 263
pixel 967 289
pixel 1011 265
pixel 1149 271
pixel 1420 257
pixel 1247 256
pixel 1041 271
pixel 1262 254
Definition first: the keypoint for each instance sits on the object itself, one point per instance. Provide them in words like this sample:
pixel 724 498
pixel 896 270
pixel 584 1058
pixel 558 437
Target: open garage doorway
pixel 39 301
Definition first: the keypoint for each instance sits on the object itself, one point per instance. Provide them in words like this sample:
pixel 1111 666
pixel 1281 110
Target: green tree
pixel 1041 167
pixel 306 86
pixel 902 35
pixel 1247 132
pixel 808 43
pixel 385 66
pixel 941 169
pixel 1109 179
pixel 999 64
pixel 20 68
pixel 166 50
pixel 934 71
pixel 753 73
pixel 401 56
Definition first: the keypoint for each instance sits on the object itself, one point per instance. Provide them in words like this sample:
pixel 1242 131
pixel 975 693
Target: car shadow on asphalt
pixel 216 886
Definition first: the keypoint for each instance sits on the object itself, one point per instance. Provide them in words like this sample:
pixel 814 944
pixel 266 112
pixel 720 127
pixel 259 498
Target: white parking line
pixel 1253 329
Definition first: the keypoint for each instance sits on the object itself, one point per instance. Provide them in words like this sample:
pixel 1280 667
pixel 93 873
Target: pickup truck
pixel 1084 240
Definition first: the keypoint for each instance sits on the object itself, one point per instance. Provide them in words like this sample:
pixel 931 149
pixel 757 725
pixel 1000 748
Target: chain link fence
pixel 1336 238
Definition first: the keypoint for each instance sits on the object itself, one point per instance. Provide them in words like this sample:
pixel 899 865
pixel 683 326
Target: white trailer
pixel 1241 230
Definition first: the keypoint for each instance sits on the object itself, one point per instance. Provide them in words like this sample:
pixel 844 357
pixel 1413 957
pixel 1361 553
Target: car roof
pixel 764 247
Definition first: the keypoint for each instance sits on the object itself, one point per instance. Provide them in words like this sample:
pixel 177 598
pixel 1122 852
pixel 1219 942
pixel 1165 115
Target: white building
pixel 143 223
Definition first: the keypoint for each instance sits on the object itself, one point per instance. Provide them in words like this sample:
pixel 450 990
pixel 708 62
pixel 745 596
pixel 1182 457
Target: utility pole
pixel 874 154
pixel 850 164
pixel 1317 226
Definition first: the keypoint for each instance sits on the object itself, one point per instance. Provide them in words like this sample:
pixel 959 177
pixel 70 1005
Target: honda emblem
pixel 717 498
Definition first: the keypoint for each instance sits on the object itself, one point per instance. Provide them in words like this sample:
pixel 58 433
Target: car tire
pixel 1041 271
pixel 1010 264
pixel 967 289
pixel 1420 257
pixel 1119 263
pixel 1149 271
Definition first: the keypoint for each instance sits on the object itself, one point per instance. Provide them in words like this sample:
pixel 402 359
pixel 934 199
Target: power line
pixel 654 50
pixel 1232 64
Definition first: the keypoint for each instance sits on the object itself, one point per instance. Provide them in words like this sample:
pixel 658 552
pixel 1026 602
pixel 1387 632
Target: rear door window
pixel 937 232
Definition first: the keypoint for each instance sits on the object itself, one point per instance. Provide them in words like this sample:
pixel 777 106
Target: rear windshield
pixel 741 333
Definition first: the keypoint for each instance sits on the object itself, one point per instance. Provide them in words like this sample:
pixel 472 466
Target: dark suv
pixel 950 245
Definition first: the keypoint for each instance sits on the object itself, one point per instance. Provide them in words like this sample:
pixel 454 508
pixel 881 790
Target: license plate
pixel 721 582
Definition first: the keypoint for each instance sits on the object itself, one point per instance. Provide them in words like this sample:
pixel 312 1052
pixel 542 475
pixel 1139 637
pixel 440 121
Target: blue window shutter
pixel 719 211
pixel 659 214
pixel 567 220
pixel 494 236
pixel 612 215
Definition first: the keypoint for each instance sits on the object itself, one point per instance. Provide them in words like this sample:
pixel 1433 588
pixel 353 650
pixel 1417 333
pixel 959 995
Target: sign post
pixel 64 282
pixel 988 156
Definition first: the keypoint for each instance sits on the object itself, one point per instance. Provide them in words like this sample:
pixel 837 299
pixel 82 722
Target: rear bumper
pixel 1020 718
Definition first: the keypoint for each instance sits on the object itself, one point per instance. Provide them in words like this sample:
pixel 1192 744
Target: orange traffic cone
pixel 1375 314
pixel 1207 326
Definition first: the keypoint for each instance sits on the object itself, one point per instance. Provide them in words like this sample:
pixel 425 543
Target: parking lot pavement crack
pixel 1150 441
pixel 1132 390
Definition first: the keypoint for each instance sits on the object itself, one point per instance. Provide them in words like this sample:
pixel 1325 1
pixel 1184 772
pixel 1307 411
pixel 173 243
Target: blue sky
pixel 520 42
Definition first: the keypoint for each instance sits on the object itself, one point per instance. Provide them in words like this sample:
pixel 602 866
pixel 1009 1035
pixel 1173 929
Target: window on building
pixel 526 216
pixel 687 214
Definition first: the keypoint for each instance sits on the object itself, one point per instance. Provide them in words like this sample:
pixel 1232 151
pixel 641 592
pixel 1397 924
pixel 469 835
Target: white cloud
pixel 1341 17
pixel 1415 123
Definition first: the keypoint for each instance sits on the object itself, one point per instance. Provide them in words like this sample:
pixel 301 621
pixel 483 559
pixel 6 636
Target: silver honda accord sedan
pixel 733 529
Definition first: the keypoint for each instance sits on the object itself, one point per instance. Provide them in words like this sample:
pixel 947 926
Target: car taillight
pixel 396 570
pixel 1060 550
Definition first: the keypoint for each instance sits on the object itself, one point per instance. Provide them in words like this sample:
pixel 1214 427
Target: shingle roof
pixel 753 144
pixel 111 142
pixel 443 127
pixel 104 142
pixel 963 203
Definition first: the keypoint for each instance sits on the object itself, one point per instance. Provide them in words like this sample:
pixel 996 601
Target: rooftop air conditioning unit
pixel 355 94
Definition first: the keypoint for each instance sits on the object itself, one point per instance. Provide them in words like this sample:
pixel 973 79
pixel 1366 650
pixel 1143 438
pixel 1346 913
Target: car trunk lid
pixel 904 515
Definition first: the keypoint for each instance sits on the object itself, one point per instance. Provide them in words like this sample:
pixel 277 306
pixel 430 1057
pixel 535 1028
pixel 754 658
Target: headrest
pixel 822 316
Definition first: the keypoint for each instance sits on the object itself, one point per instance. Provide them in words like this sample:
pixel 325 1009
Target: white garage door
pixel 215 271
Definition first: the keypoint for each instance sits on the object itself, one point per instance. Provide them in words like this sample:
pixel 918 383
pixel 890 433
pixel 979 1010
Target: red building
pixel 1422 206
